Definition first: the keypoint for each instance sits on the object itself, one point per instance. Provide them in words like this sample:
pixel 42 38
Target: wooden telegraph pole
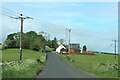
pixel 22 18
pixel 115 41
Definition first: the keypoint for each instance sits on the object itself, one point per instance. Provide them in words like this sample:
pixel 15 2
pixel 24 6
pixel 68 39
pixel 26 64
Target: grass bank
pixel 100 65
pixel 29 67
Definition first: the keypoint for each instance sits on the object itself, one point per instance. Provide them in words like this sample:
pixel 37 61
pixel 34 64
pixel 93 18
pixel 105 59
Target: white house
pixel 58 50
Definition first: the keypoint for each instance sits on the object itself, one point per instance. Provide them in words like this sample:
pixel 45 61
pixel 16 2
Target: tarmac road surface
pixel 56 68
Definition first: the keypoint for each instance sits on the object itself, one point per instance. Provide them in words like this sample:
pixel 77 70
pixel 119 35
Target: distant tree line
pixel 30 40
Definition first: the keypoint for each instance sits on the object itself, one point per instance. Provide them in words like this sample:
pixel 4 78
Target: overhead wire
pixel 11 12
pixel 7 12
pixel 4 14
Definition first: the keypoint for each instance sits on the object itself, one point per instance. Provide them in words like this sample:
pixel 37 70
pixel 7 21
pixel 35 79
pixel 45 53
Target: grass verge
pixel 32 62
pixel 100 65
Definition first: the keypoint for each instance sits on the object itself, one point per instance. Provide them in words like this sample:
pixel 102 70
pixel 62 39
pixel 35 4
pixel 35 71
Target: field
pixel 100 65
pixel 13 54
pixel 31 63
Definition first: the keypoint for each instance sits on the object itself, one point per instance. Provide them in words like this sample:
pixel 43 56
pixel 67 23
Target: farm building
pixel 74 48
pixel 73 51
pixel 60 48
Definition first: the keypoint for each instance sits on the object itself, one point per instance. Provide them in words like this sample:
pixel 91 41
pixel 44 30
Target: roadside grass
pixel 100 65
pixel 29 67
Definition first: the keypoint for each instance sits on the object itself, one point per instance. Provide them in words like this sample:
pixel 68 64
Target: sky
pixel 93 24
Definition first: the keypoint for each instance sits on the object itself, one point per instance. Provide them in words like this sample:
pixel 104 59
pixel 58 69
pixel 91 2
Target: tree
pixel 12 40
pixel 84 49
pixel 36 44
pixel 30 40
pixel 54 43
pixel 10 36
pixel 49 43
pixel 6 44
pixel 61 41
pixel 34 41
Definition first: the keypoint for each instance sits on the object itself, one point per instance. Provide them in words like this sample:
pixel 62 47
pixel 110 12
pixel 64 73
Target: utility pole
pixel 22 18
pixel 115 41
pixel 69 38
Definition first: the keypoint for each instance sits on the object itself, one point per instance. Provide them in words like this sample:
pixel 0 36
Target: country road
pixel 55 68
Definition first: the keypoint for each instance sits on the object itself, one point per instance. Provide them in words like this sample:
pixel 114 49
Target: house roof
pixel 75 46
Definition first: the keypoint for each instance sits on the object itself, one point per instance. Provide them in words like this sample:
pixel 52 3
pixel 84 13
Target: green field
pixel 31 63
pixel 13 54
pixel 100 65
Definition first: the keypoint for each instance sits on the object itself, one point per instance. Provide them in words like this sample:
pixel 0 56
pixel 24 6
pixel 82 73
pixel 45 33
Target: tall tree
pixel 54 43
pixel 84 48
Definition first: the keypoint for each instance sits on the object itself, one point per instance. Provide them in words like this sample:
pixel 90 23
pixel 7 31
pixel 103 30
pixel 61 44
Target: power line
pixel 8 10
pixel 4 14
pixel 7 13
pixel 10 13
